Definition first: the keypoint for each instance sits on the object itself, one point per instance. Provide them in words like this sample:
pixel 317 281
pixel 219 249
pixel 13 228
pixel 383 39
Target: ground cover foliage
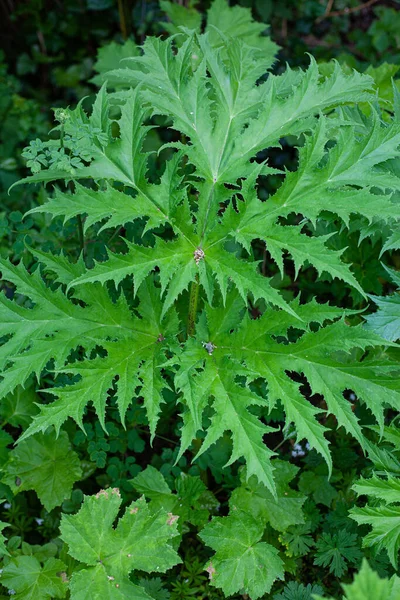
pixel 199 318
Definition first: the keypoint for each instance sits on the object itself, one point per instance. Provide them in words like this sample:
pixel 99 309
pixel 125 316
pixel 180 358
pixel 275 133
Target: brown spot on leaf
pixel 108 493
pixel 211 571
pixel 172 519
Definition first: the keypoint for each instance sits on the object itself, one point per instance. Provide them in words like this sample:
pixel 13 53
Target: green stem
pixel 161 437
pixel 207 213
pixel 62 136
pixel 81 235
pixel 193 299
pixel 116 232
pixel 122 19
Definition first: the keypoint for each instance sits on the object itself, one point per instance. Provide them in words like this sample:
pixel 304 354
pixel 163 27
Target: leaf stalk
pixel 193 301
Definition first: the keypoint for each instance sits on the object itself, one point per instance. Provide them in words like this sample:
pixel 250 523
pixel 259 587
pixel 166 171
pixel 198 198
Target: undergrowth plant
pixel 187 318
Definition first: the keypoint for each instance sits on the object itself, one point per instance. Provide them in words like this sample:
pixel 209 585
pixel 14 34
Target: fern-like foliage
pixel 200 219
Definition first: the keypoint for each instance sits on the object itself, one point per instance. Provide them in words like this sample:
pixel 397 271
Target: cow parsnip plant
pixel 168 317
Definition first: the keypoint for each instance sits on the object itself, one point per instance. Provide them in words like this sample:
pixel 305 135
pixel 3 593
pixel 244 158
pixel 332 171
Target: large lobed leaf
pixel 140 540
pixel 205 215
pixel 27 579
pixel 55 326
pixel 46 464
pixel 323 357
pixel 242 562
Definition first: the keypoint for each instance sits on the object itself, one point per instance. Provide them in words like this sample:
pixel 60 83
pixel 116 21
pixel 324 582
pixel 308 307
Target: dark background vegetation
pixel 48 55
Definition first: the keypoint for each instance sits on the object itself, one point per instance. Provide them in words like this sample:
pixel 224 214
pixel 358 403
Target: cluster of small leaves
pixel 335 551
pixel 78 135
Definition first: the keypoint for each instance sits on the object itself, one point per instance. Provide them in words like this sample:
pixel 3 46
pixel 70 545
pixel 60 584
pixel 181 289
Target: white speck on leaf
pixel 198 255
pixel 209 346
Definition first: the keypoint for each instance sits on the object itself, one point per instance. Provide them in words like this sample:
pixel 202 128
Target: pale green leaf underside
pixel 386 320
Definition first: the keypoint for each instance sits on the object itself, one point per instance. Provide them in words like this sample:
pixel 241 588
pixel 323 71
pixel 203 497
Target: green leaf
pixel 132 345
pixel 291 112
pixel 117 207
pixel 297 591
pixel 383 76
pixel 230 406
pixel 317 485
pixel 152 484
pixel 305 249
pixel 316 356
pixel 97 341
pixel 298 540
pixel 281 511
pixel 336 551
pixel 368 584
pixel 109 57
pixel 393 243
pixel 95 584
pixel 59 264
pixel 155 588
pixel 241 563
pixel 244 276
pixel 3 549
pixel 386 321
pixel 384 489
pixel 44 463
pixel 192 501
pixel 237 22
pixel 140 540
pixel 180 16
pixel 19 407
pixel 174 259
pixel 385 523
pixel 32 581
